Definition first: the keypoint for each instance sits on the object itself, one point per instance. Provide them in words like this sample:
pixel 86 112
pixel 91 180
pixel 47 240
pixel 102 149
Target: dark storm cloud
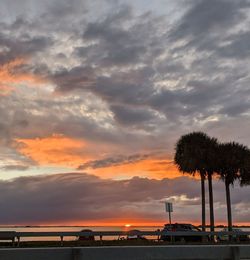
pixel 23 46
pixel 76 78
pixel 79 197
pixel 199 98
pixel 29 45
pixel 117 44
pixel 65 8
pixel 45 15
pixel 235 109
pixel 113 161
pixel 129 116
pixel 111 27
pixel 122 39
pixel 213 31
pixel 238 48
pixel 204 93
pixel 208 17
pixel 131 87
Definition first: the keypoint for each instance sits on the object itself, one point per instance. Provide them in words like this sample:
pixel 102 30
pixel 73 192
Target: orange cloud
pixel 10 76
pixel 152 168
pixel 60 150
pixel 54 150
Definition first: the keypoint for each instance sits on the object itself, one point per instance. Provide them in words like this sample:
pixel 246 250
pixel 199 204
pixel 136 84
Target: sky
pixel 94 96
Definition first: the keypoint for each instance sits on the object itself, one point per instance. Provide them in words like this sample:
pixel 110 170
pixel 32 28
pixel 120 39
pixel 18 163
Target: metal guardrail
pixel 18 235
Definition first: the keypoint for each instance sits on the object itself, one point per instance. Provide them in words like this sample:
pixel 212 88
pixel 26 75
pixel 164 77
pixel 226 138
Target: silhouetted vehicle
pixel 235 238
pixel 87 237
pixel 132 236
pixel 182 228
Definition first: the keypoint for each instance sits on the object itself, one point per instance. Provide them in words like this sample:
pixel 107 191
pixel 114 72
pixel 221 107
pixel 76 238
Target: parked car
pixel 222 238
pixel 132 236
pixel 183 228
pixel 87 237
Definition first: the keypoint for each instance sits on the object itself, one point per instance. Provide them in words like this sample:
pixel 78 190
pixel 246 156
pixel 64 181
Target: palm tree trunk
pixel 211 202
pixel 203 203
pixel 229 211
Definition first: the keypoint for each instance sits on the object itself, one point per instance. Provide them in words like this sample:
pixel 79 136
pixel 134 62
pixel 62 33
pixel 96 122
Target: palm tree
pixel 192 156
pixel 232 161
pixel 210 170
pixel 245 170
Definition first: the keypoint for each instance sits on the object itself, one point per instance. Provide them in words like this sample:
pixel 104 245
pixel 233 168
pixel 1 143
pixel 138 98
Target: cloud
pixel 113 161
pixel 126 166
pixel 120 45
pixel 15 167
pixel 237 48
pixel 75 198
pixel 11 75
pixel 76 78
pixel 56 149
pixel 151 167
pixel 205 17
pixel 131 115
pixel 16 46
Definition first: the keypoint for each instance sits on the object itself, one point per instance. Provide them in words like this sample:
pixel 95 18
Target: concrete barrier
pixel 129 253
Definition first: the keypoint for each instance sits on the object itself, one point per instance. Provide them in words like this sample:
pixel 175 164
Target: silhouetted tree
pixel 232 161
pixel 193 154
pixel 245 170
pixel 211 162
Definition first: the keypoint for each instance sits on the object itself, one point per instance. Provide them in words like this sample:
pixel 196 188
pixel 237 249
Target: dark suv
pixel 182 228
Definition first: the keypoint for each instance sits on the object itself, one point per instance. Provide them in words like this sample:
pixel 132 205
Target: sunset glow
pixel 55 150
pixel 127 225
pixel 151 168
